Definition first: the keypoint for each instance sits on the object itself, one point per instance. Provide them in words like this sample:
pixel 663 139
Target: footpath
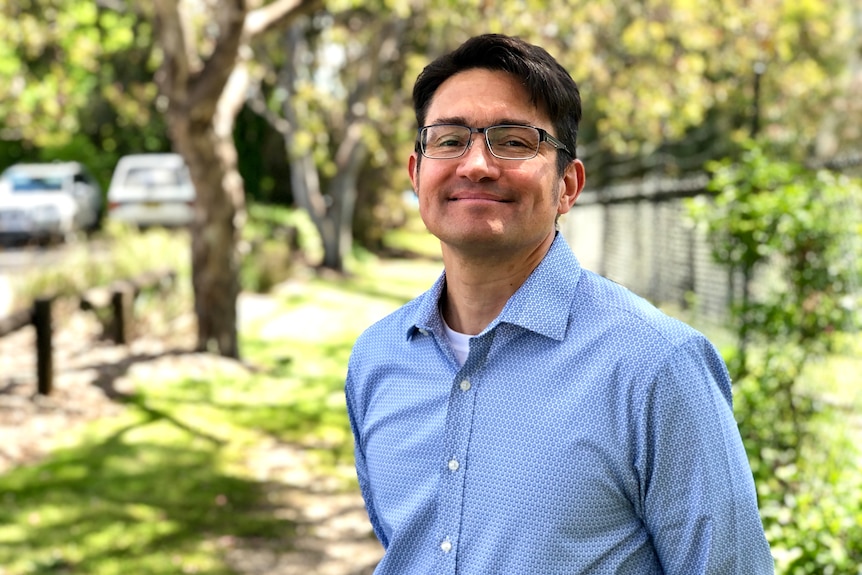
pixel 333 535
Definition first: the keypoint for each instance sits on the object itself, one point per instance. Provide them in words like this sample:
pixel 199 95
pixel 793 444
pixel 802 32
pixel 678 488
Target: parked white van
pixel 151 190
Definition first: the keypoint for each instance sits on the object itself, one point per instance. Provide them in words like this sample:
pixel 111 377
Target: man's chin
pixel 477 242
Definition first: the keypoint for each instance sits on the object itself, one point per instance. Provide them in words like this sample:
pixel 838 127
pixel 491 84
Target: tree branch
pixel 277 13
pixel 173 74
pixel 206 86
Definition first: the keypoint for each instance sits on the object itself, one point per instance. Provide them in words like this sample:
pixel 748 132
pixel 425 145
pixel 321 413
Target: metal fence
pixel 639 235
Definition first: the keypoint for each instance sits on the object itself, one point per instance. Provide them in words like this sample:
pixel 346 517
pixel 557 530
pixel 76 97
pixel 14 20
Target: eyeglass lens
pixel 506 142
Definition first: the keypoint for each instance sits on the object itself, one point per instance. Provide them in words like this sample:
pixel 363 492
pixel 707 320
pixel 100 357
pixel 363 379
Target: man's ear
pixel 573 184
pixel 413 168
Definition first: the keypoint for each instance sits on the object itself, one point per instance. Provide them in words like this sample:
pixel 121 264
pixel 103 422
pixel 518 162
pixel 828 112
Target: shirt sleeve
pixel 361 468
pixel 698 496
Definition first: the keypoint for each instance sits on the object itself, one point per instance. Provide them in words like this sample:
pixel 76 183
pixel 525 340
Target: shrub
pixel 807 224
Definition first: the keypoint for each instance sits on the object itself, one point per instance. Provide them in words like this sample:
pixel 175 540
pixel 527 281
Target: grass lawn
pixel 155 490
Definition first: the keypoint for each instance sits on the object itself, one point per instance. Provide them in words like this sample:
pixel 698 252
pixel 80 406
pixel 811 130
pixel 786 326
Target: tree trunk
pixel 331 212
pixel 343 190
pixel 204 96
pixel 200 104
pixel 215 234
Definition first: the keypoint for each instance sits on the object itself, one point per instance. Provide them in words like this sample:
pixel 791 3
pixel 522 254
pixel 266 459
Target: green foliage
pixel 119 253
pixel 678 73
pixel 275 240
pixel 76 83
pixel 804 223
pixel 793 237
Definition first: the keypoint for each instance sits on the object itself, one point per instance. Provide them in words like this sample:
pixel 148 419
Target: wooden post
pixel 44 356
pixel 122 300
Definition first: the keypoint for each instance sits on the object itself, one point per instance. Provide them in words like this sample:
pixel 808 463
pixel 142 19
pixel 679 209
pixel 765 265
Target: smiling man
pixel 526 416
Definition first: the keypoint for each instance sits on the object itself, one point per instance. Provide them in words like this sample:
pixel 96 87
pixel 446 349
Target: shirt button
pixel 423 331
pixel 465 385
pixel 453 465
pixel 446 546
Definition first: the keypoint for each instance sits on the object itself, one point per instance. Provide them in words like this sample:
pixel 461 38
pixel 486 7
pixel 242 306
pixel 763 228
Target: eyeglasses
pixel 507 142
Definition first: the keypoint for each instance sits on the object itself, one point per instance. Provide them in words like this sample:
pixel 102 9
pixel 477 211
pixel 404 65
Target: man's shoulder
pixel 601 297
pixel 644 339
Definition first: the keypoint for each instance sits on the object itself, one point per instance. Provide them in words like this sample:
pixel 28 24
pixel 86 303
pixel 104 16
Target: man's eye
pixel 513 138
pixel 449 142
pixel 513 143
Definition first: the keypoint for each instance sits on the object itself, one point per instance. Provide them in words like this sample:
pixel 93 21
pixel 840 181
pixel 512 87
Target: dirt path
pixel 333 536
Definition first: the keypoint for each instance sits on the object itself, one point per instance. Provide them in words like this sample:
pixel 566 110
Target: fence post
pixel 44 356
pixel 121 305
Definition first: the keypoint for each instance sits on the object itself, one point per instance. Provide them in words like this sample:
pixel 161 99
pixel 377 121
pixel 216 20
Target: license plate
pixel 13 222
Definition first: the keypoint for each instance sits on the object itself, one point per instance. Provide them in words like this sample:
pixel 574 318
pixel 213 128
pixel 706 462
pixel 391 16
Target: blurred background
pixel 722 142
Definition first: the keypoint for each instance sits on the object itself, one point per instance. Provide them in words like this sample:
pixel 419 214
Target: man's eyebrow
pixel 460 120
pixel 452 120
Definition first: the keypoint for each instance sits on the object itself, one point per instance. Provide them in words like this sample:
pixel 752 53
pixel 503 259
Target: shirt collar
pixel 553 283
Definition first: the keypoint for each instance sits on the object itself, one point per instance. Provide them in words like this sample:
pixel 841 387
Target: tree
pixel 204 77
pixel 331 99
pixel 669 84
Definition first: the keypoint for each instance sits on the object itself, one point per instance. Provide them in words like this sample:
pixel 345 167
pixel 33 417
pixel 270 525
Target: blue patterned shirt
pixel 587 432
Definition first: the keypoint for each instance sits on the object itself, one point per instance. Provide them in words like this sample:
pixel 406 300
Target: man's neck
pixel 477 288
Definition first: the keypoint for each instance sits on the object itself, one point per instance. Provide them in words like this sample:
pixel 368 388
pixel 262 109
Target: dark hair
pixel 547 82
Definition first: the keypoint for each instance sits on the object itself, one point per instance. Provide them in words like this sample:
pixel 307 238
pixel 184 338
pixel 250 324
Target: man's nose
pixel 478 140
pixel 478 154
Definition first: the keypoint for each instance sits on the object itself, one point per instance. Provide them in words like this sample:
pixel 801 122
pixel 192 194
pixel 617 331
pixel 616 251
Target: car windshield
pixel 154 177
pixel 27 183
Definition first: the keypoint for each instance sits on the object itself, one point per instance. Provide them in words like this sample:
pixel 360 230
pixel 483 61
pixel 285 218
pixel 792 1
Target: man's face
pixel 478 202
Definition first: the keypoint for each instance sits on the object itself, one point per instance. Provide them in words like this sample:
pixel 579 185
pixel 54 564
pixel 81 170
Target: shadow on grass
pixel 291 401
pixel 152 494
pixel 152 505
pixel 108 373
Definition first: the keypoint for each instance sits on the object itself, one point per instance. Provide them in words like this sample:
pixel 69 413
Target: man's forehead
pixel 482 95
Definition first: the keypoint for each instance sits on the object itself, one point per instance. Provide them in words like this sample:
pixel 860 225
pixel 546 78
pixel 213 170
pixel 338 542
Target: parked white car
pixel 151 190
pixel 43 202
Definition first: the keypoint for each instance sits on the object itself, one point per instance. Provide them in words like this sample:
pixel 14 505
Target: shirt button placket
pixel 458 431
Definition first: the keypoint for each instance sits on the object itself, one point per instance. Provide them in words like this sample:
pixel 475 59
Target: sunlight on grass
pixel 320 311
pixel 135 495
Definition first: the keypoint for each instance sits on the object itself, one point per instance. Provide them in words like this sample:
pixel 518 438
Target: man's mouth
pixel 477 197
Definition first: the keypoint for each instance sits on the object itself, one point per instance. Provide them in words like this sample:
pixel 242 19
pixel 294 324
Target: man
pixel 526 416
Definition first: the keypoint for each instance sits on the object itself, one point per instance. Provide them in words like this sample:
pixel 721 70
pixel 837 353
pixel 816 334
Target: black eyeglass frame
pixel 544 136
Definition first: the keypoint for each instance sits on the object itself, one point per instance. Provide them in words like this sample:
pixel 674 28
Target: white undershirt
pixel 460 343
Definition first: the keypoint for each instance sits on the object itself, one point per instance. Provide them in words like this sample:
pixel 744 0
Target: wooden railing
pixel 115 301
